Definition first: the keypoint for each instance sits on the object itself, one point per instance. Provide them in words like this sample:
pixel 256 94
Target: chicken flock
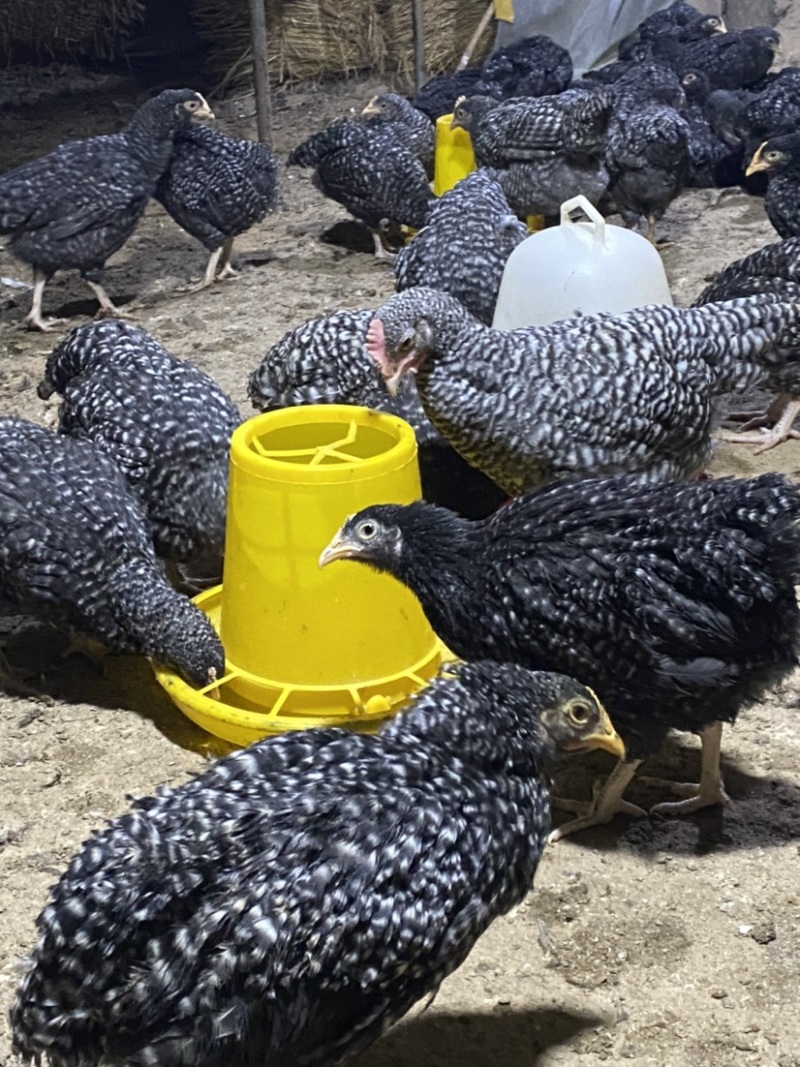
pixel 598 587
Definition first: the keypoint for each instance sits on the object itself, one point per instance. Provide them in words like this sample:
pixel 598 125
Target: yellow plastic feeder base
pixel 309 647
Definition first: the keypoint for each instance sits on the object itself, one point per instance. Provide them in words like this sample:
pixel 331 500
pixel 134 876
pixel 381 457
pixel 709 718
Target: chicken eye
pixel 191 105
pixel 580 712
pixel 690 79
pixel 773 155
pixel 405 344
pixel 367 530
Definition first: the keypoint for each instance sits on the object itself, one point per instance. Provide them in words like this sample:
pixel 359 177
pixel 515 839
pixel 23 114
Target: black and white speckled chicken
pixel 542 150
pixel 325 361
pixel 369 172
pixel 296 899
pixel 438 95
pixel 599 394
pixel 464 246
pixel 773 270
pixel 669 20
pixel 676 600
pixel 669 43
pixel 773 110
pixel 733 60
pixel 647 154
pixel 216 187
pixel 75 552
pixel 707 151
pixel 76 206
pixel 165 423
pixel 407 123
pixel 779 158
pixel 530 66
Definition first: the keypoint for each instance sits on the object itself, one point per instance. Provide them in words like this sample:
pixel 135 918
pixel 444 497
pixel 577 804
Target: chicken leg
pixel 34 318
pixel 710 790
pixel 785 409
pixel 605 804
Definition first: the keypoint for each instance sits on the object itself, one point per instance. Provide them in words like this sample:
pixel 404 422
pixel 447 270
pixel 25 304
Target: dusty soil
pixel 665 942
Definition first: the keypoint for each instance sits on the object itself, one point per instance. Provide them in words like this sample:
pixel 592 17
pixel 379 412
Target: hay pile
pixel 64 27
pixel 318 38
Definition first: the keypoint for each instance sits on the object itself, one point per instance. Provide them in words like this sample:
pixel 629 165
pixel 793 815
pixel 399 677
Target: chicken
pixel 297 898
pixel 438 95
pixel 599 394
pixel 647 151
pixel 529 66
pixel 668 44
pixel 412 127
pixel 464 246
pixel 772 111
pixel 165 423
pixel 325 361
pixel 76 206
pixel 216 187
pixel 369 172
pixel 707 152
pixel 75 552
pixel 774 269
pixel 733 60
pixel 667 21
pixel 541 151
pixel 676 601
pixel 780 158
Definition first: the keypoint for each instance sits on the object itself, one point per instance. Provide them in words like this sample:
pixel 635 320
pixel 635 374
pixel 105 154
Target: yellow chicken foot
pixel 107 309
pixel 709 792
pixel 605 804
pixel 222 253
pixel 34 318
pixel 780 432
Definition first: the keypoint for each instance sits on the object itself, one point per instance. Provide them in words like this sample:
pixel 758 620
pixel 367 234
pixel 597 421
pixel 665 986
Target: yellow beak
pixel 757 163
pixel 339 548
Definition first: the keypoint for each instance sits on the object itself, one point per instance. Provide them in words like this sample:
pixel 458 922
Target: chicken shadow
pixel 765 808
pixel 36 654
pixel 513 1038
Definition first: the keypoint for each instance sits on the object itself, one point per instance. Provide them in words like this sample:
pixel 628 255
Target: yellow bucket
pixel 305 646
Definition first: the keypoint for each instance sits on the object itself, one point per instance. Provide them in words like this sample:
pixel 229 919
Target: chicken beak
pixel 204 111
pixel 721 28
pixel 372 108
pixel 757 163
pixel 339 548
pixel 605 737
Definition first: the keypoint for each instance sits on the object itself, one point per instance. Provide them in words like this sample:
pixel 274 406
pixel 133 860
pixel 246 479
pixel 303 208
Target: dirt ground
pixel 665 942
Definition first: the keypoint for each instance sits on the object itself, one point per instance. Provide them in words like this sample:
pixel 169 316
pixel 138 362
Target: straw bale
pixel 318 38
pixel 65 27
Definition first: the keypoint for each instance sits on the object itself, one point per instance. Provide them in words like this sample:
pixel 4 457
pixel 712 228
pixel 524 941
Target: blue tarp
pixel 586 28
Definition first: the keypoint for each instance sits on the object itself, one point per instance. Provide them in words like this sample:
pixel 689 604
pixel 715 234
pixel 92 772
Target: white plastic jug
pixel 579 268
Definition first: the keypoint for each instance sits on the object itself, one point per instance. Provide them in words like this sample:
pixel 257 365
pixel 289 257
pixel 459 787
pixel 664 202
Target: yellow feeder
pixel 304 646
pixel 454 159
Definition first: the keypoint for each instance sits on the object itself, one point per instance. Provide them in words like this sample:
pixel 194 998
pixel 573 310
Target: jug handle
pixel 588 209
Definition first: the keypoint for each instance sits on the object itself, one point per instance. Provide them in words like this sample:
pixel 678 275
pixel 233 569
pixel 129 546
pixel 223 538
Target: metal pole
pixel 418 12
pixel 258 34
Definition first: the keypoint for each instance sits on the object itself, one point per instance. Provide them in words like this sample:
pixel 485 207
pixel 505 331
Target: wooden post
pixel 418 12
pixel 258 34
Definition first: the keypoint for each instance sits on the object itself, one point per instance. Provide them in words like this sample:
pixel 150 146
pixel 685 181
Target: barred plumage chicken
pixel 464 246
pixel 79 204
pixel 296 899
pixel 677 601
pixel 216 187
pixel 779 158
pixel 325 361
pixel 591 395
pixel 773 271
pixel 165 423
pixel 75 551
pixel 369 172
pixel 541 151
pixel 412 127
